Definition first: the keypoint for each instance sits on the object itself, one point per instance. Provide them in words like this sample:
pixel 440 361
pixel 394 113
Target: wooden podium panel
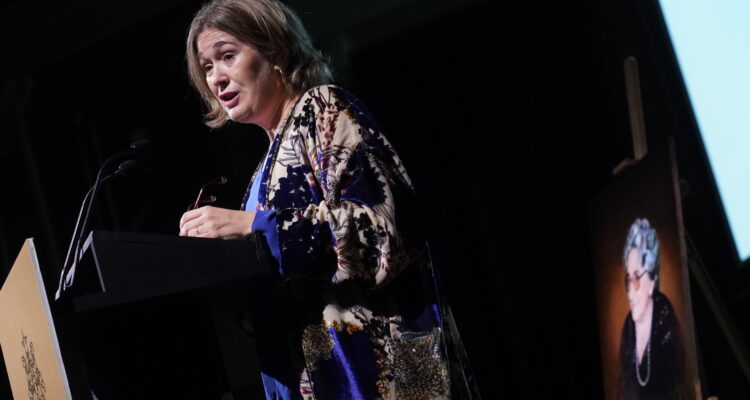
pixel 27 333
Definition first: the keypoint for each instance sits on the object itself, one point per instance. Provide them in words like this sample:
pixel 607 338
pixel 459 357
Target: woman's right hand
pixel 214 222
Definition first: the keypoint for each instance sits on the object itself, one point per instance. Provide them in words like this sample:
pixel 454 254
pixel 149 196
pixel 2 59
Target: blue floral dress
pixel 337 208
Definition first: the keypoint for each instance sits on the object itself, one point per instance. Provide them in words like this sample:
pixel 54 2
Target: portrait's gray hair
pixel 271 28
pixel 643 238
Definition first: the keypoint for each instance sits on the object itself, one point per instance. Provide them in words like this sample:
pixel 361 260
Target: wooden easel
pixel 696 268
pixel 635 111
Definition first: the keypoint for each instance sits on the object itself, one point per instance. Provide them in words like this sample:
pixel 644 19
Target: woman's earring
pixel 281 73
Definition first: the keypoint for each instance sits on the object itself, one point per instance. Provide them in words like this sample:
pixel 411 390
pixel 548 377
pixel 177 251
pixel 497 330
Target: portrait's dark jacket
pixel 660 369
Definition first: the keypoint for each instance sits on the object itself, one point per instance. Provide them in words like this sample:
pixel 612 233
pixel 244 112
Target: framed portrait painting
pixel 643 292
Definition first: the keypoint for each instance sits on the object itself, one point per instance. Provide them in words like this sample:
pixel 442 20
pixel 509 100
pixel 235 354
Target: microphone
pixel 135 147
pixel 139 145
pixel 122 170
pixel 74 248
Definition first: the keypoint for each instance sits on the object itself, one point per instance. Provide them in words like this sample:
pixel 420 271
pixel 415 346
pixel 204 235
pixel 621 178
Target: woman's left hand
pixel 214 222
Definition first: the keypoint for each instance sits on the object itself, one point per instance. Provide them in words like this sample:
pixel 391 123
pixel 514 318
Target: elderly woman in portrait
pixel 650 343
pixel 356 314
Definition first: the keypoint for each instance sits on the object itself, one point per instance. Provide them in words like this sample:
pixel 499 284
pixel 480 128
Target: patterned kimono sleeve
pixel 354 178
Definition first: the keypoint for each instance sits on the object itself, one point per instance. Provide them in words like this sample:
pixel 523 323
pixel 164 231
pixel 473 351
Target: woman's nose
pixel 219 78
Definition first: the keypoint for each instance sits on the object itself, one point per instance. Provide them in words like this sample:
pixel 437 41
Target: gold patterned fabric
pixel 419 369
pixel 317 344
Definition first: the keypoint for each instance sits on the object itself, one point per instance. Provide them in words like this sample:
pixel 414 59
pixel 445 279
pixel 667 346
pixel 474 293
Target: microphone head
pixel 122 169
pixel 125 166
pixel 139 145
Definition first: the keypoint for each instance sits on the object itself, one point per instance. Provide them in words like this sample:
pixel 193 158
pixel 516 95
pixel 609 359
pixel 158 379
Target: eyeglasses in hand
pixel 200 201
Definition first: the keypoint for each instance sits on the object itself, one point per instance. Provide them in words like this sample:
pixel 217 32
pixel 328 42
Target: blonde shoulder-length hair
pixel 274 30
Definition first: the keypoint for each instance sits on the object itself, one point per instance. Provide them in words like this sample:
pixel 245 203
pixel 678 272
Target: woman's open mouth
pixel 229 99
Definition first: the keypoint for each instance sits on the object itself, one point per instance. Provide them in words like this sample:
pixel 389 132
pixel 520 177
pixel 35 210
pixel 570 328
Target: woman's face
pixel 241 78
pixel 639 290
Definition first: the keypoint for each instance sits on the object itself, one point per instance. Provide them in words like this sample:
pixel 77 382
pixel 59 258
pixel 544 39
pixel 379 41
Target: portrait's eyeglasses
pixel 199 201
pixel 633 281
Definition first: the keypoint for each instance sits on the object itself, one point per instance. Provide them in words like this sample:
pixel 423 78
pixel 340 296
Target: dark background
pixel 509 117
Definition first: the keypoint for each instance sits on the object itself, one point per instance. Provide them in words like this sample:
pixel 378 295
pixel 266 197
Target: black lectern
pixel 157 316
pixel 121 267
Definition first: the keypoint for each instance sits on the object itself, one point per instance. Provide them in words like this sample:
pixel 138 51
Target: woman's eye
pixel 207 68
pixel 228 56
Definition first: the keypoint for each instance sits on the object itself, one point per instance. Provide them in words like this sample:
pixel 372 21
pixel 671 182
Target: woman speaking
pixel 360 317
